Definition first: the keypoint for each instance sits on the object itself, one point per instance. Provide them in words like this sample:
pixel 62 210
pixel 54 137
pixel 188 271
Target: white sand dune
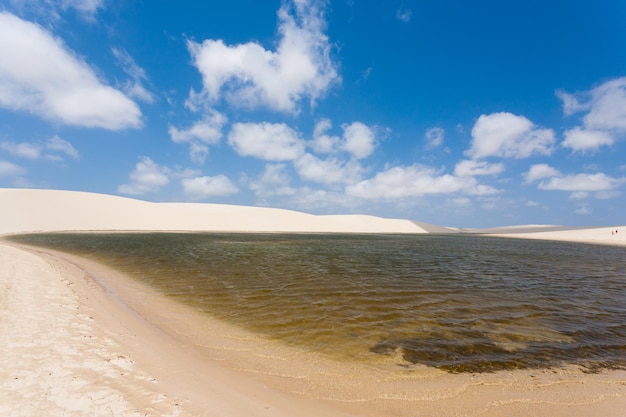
pixel 36 210
pixel 613 235
pixel 27 210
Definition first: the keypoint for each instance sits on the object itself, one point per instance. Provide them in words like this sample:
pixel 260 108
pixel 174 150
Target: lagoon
pixel 454 302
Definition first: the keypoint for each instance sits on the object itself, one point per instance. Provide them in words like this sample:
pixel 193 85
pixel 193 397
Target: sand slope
pixel 25 210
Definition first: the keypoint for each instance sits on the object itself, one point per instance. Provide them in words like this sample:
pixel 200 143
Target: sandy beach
pixel 77 338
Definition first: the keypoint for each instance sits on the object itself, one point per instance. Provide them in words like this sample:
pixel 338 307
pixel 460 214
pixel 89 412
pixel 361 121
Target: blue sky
pixel 457 113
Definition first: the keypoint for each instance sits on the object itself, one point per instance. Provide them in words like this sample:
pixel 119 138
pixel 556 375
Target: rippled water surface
pixel 459 303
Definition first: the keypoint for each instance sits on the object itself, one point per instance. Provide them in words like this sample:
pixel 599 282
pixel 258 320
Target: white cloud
pixel 273 181
pixel 22 150
pixel 148 177
pixel 55 143
pixel 359 140
pixel 329 171
pixel 248 75
pixel 323 143
pixel 579 195
pixel 460 202
pixel 414 181
pixel 584 210
pixel 608 194
pixel 571 103
pixel 203 133
pixel 434 137
pixel 608 106
pixel 580 185
pixel 198 101
pixel 582 182
pixel 50 8
pixel 581 140
pixel 134 88
pixel 509 136
pixel 86 7
pixel 9 169
pixel 39 75
pixel 404 15
pixel 539 172
pixel 470 168
pixel 48 149
pixel 202 187
pixel 271 142
pixel 308 199
pixel 605 108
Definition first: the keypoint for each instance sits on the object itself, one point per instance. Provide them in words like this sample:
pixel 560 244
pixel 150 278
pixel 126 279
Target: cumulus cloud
pixel 470 168
pixel 582 182
pixel 271 142
pixel 434 137
pixel 248 75
pixel 202 187
pixel 148 177
pixel 605 115
pixel 540 171
pixel 40 75
pixel 200 135
pixel 582 140
pixel 608 106
pixel 329 171
pixel 509 136
pixel 359 140
pixel 414 181
pixel 273 181
pixel 579 184
pixel 48 149
pixel 571 103
pixel 322 142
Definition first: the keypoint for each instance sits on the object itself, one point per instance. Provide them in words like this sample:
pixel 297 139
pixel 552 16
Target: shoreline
pixel 225 370
pixel 149 370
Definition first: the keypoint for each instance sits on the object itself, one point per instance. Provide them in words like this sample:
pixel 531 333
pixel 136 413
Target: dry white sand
pixel 614 235
pixel 25 210
pixel 79 339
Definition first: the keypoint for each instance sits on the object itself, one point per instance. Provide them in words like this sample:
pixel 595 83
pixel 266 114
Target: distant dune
pixel 29 210
pixel 36 210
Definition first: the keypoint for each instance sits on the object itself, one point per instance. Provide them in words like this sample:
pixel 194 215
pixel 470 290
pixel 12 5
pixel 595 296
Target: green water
pixel 459 303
